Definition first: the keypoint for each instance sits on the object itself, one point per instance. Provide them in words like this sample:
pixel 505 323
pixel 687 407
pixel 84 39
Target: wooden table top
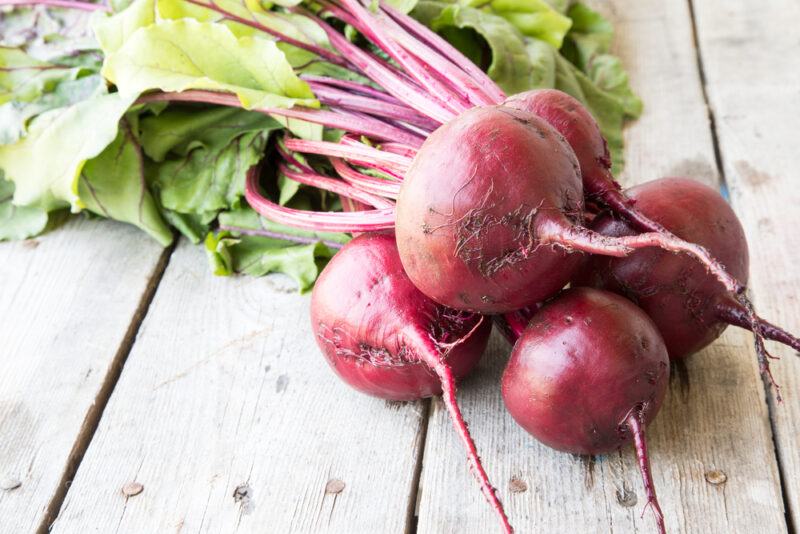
pixel 125 364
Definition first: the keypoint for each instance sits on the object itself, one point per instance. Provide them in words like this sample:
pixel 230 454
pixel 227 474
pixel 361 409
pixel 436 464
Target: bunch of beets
pixel 467 203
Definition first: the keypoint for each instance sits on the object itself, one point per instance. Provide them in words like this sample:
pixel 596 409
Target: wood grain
pixel 230 419
pixel 752 67
pixel 69 302
pixel 717 425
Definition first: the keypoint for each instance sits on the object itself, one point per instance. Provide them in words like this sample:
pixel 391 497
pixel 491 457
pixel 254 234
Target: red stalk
pixel 363 154
pixel 384 76
pixel 351 122
pixel 364 182
pixel 335 186
pixel 361 221
pixel 337 98
pixel 428 36
pixel 365 90
pixel 369 25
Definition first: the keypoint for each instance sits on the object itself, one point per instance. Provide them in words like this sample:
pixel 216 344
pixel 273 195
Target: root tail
pixel 435 360
pixel 634 422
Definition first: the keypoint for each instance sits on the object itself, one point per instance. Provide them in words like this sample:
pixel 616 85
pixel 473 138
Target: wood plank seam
pixel 413 505
pixel 719 161
pixel 93 415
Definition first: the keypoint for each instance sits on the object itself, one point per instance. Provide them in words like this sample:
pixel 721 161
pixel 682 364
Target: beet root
pixel 579 128
pixel 383 337
pixel 572 120
pixel 688 305
pixel 587 374
pixel 491 208
pixel 472 203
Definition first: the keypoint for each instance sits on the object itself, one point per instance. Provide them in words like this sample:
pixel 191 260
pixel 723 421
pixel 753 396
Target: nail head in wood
pixel 131 489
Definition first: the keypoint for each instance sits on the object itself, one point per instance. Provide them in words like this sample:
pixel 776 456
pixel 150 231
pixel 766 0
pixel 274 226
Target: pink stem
pixel 363 221
pixel 362 154
pixel 85 6
pixel 335 97
pixel 335 186
pixel 351 86
pixel 517 322
pixel 314 49
pixel 364 182
pixel 452 75
pixel 385 77
pixel 369 25
pixel 432 39
pixel 346 121
pixel 637 429
pixel 399 148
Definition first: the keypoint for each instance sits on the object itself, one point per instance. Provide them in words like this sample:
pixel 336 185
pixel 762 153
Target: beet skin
pixel 586 361
pixel 369 321
pixel 472 207
pixel 674 290
pixel 385 338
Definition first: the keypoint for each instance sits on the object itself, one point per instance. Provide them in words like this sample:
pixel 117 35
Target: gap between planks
pixel 413 502
pixel 768 393
pixel 95 412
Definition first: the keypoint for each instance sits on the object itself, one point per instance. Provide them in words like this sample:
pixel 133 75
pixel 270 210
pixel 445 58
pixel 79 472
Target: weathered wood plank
pixel 225 393
pixel 752 67
pixel 68 302
pixel 719 423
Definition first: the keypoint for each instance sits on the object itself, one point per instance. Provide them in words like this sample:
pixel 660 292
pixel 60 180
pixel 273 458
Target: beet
pixel 575 123
pixel 473 204
pixel 587 374
pixel 383 337
pixel 572 120
pixel 688 305
pixel 491 209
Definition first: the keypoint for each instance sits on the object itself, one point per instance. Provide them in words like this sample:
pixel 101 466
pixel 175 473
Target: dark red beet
pixel 689 306
pixel 385 338
pixel 587 374
pixel 579 128
pixel 471 204
pixel 490 208
pixel 572 120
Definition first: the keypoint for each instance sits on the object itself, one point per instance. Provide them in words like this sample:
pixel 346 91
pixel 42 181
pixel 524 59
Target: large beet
pixel 587 375
pixel 689 306
pixel 376 329
pixel 473 204
pixel 385 338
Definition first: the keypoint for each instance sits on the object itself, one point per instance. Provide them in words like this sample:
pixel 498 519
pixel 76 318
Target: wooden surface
pixel 228 418
pixel 225 389
pixel 70 301
pixel 753 87
pixel 704 427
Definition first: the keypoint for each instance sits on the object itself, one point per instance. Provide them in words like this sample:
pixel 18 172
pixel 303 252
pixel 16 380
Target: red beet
pixel 587 374
pixel 572 120
pixel 385 338
pixel 491 208
pixel 576 124
pixel 690 307
pixel 473 206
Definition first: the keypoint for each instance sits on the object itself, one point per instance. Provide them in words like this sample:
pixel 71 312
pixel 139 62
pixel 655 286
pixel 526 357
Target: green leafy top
pixel 72 136
pixel 494 36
